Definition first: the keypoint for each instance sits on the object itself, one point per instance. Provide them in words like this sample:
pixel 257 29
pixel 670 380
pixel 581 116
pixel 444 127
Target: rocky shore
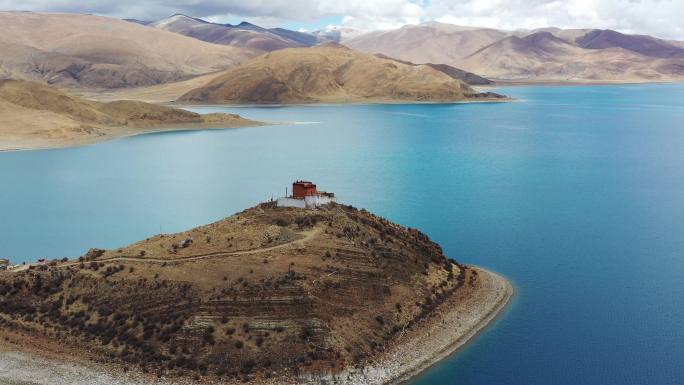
pixel 449 328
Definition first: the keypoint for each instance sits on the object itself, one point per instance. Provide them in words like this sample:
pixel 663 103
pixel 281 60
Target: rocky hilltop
pixel 269 295
pixel 35 115
pixel 330 73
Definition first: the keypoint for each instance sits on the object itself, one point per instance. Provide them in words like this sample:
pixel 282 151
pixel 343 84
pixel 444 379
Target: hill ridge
pixel 330 73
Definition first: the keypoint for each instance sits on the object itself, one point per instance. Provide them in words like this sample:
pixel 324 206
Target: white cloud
pixel 657 17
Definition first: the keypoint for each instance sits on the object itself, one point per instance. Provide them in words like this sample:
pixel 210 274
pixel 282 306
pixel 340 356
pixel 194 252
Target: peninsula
pixel 34 115
pixel 269 295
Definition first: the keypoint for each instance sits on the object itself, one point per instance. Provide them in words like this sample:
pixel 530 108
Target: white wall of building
pixel 309 202
pixel 318 200
pixel 291 202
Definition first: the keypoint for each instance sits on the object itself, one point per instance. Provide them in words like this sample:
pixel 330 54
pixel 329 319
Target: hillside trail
pixel 308 236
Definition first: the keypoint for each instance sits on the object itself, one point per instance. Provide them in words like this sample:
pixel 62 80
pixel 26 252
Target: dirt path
pixel 308 235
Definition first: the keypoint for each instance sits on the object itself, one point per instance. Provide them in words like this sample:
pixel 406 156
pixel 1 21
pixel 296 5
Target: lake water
pixel 574 193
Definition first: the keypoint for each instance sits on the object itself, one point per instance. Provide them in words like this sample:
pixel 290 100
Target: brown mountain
pixel 548 54
pixel 267 296
pixel 645 45
pixel 524 55
pixel 99 52
pixel 427 43
pixel 35 115
pixel 542 56
pixel 244 35
pixel 328 73
pixel 456 73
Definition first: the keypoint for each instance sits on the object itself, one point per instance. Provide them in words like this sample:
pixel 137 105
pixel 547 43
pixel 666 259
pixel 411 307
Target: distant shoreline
pixel 34 143
pixel 526 83
pixel 30 144
pixel 332 104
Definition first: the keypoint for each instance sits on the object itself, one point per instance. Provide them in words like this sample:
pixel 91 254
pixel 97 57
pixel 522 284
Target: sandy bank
pixel 39 142
pixel 34 115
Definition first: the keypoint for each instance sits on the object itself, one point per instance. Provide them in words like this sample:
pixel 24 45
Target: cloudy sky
pixel 663 18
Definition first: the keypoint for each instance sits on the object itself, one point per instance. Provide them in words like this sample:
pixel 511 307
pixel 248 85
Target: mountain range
pixel 73 50
pixel 546 54
pixel 101 53
pixel 243 35
pixel 550 54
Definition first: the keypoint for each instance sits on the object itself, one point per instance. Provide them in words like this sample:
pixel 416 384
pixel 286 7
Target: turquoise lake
pixel 576 194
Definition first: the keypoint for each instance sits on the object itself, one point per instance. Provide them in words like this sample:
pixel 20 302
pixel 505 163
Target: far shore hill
pixel 34 115
pixel 332 73
pixel 270 295
pixel 327 73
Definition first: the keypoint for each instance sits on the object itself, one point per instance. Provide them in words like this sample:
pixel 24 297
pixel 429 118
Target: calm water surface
pixel 574 193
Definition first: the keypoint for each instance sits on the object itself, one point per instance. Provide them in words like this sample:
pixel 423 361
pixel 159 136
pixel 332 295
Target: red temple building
pixel 305 195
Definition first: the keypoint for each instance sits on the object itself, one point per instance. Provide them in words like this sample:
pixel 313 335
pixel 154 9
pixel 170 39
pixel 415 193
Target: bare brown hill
pixel 543 56
pixel 427 43
pixel 99 52
pixel 35 115
pixel 269 295
pixel 547 54
pixel 456 73
pixel 645 45
pixel 329 73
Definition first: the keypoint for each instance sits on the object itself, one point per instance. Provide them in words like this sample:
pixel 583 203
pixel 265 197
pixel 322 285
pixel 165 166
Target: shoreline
pixel 425 346
pixel 124 132
pixel 32 144
pixel 528 83
pixel 461 343
pixel 391 102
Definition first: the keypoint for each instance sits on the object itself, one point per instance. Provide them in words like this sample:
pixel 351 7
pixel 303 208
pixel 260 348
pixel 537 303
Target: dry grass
pixel 35 115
